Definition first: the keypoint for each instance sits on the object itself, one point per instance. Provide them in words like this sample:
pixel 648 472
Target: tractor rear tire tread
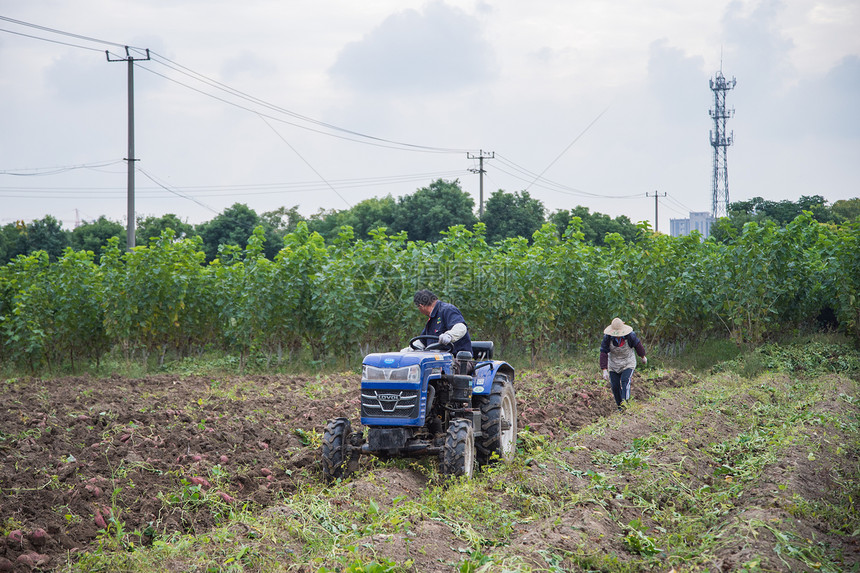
pixel 492 417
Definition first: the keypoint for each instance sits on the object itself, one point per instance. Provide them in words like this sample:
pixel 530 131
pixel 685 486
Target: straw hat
pixel 618 328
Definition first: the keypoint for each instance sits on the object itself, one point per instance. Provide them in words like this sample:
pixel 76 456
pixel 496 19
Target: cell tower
pixel 720 141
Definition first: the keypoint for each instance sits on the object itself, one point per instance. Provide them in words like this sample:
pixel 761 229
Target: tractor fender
pixel 485 373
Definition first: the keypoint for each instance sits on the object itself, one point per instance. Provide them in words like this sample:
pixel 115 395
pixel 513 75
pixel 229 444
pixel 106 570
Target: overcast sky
pixel 324 103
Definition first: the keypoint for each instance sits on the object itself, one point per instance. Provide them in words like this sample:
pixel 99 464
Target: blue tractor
pixel 427 402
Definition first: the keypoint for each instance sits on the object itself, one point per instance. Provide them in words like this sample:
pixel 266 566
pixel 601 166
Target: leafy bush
pixel 816 357
pixel 343 299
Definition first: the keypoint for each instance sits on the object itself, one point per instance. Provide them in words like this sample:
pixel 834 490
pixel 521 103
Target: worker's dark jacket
pixel 443 317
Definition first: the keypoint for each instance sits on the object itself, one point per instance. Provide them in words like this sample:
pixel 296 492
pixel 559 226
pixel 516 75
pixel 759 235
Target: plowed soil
pixel 77 450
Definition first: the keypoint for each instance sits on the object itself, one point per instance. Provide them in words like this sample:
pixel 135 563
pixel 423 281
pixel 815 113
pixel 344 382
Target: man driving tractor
pixel 443 320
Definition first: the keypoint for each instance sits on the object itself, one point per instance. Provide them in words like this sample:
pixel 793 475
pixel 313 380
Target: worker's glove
pixel 644 360
pixel 606 374
pixel 445 339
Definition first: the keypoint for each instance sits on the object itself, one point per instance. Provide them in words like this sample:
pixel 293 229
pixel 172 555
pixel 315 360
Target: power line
pixel 377 142
pixel 552 185
pixel 575 139
pixel 178 194
pixel 60 32
pixel 394 145
pixel 683 214
pixel 41 171
pixel 49 40
pixel 242 95
pixel 671 198
pixel 243 189
pixel 306 162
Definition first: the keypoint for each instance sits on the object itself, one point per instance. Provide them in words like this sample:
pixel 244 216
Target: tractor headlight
pixel 403 374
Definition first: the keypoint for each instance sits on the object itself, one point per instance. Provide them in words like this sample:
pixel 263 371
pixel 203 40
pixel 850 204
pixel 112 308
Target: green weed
pixel 638 541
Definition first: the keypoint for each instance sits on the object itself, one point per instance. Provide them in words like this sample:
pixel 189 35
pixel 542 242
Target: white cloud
pixel 76 78
pixel 439 50
pixel 247 63
pixel 675 81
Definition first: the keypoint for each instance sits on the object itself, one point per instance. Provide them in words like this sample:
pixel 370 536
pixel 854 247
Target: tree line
pixel 423 215
pixel 783 212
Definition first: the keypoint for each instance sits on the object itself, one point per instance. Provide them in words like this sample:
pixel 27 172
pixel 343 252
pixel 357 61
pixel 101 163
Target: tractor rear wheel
pixel 458 455
pixel 498 422
pixel 335 448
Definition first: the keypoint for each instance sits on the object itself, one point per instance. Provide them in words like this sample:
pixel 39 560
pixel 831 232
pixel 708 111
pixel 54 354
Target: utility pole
pixel 480 171
pixel 656 220
pixel 130 159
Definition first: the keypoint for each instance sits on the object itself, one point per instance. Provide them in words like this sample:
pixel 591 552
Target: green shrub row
pixel 349 296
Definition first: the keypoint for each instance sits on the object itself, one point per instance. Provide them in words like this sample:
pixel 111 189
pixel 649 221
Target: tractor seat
pixel 482 349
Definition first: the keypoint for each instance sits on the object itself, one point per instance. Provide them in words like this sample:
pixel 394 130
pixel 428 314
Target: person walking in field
pixel 618 352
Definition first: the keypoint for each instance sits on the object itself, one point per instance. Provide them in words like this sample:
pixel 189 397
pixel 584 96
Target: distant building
pixel 698 221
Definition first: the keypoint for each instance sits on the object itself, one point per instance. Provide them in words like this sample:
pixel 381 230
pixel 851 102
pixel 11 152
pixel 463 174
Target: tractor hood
pixel 403 366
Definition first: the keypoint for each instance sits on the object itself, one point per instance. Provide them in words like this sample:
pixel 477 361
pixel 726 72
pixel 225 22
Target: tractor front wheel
pixel 458 455
pixel 335 449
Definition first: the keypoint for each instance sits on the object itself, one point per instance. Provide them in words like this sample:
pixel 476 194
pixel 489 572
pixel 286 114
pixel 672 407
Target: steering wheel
pixel 428 345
